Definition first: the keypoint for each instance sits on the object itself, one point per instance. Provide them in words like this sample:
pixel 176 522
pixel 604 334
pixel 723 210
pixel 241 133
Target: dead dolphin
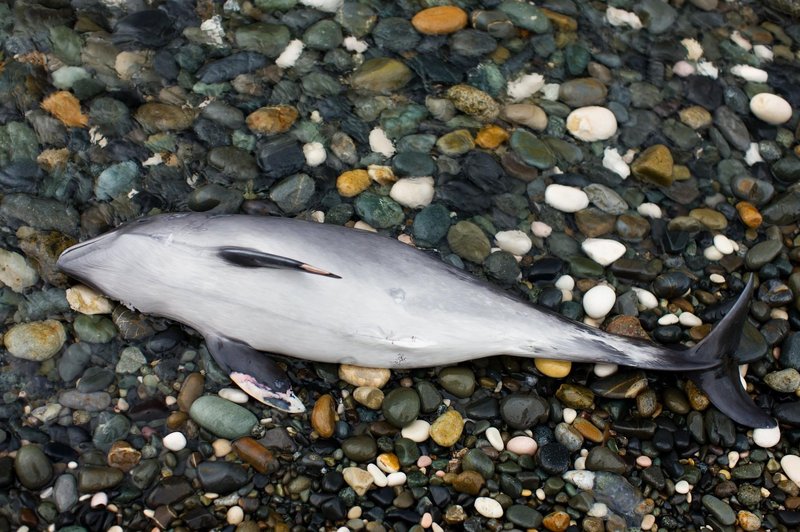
pixel 332 294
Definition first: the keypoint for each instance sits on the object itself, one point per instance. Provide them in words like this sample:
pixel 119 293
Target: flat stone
pixel 222 417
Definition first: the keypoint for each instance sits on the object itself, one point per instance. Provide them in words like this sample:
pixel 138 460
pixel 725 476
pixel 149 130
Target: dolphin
pixel 253 285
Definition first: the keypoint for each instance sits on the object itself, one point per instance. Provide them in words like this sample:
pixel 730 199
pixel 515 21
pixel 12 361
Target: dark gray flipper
pixel 255 373
pixel 252 258
pixel 722 383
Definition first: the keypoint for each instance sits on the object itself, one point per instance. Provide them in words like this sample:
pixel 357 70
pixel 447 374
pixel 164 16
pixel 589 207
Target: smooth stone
pixel 360 448
pixel 474 102
pixel 156 117
pixel 566 198
pixel 523 411
pixel 382 75
pixel 531 150
pixel 556 369
pixel 604 459
pixel 525 114
pixel 323 416
pixel 361 376
pixel 719 509
pixel 221 417
pixel 582 92
pixel 488 507
pixel 446 430
pixel 762 253
pixel 459 381
pixel 417 431
pixel 401 406
pixel 36 341
pixel 522 445
pixel 267 39
pixel 358 479
pixel 222 477
pixel 785 381
pixel 732 128
pixel 575 396
pixel 477 460
pixel 413 192
pixel 602 250
pixel 598 301
pixel 369 396
pixel 379 212
pixel 592 123
pixel 97 478
pixel 439 20
pixel 771 108
pixel 654 165
pixel 15 272
pixel 468 241
pixel 32 467
pixel 272 120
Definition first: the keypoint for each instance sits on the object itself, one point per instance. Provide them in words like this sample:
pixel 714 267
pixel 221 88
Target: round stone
pixel 488 507
pixel 174 441
pixel 447 428
pixel 32 467
pixel 360 376
pixel 771 108
pixel 36 340
pixel 592 123
pixel 401 406
pixel 468 241
pixel 565 198
pixel 459 381
pixel 440 20
pixel 417 431
pixel 522 445
pixel 515 242
pixel 598 301
pixel 556 369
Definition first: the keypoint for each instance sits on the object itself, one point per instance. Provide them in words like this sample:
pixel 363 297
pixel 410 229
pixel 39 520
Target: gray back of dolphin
pixel 333 294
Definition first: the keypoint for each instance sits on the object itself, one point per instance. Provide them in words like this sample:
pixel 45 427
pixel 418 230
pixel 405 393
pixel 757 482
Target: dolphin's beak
pixel 74 259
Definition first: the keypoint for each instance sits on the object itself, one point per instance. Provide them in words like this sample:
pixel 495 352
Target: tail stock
pixel 722 382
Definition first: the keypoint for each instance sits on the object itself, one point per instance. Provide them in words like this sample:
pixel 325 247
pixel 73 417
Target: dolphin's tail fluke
pixel 722 383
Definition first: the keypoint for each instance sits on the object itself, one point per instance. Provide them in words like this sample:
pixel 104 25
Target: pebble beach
pixel 629 164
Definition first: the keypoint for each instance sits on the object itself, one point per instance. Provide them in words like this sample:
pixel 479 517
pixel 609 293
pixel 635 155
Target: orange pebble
pixel 440 20
pixel 749 214
pixel 491 136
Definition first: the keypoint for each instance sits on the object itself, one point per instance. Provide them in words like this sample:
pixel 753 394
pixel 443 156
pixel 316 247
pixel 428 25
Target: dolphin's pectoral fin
pixel 255 373
pixel 252 258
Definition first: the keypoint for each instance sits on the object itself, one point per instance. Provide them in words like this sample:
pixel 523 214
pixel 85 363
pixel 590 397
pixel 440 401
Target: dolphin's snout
pixel 75 259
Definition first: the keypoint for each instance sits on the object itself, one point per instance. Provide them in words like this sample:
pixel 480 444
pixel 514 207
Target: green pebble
pixel 360 448
pixel 477 460
pixel 459 381
pixel 95 329
pixel 380 212
pixel 222 417
pixel 401 406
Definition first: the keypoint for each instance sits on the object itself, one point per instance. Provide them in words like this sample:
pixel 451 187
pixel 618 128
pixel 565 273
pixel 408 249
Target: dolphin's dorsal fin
pixel 253 258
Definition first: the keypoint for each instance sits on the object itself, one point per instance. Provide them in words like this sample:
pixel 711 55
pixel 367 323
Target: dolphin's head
pixel 128 261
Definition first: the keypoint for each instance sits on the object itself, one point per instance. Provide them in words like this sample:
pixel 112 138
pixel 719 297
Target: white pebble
pixel 598 509
pixel 716 278
pixel 364 226
pixel 565 282
pixel 603 251
pixel 707 68
pixel 753 154
pixel 174 441
pixel 580 463
pixel 598 301
pixel 355 512
pixel 496 441
pixel 398 478
pixel 550 91
pixel 488 507
pixel 524 86
pixel 566 199
pixel 791 466
pixel 614 162
pixel 592 123
pixel 99 499
pixel 605 369
pixel 668 319
pixel 235 515
pixel 290 54
pixel 315 153
pixel 515 242
pixel 619 17
pixel 418 430
pixel 413 192
pixel 767 437
pixel 771 108
pixel 648 522
pixel 712 253
pixel 723 244
pixel 683 69
pixel 380 143
pixel 778 314
pixel 733 459
pixel 86 301
pixel 694 50
pixel 541 229
pixel 328 6
pixel 688 319
pixel 649 210
pixel 582 479
pixel 522 445
pixel 750 73
pixel 647 300
pixel 569 415
pixel 741 41
pixel 352 44
pixel 682 487
pixel 234 395
pixel 763 52
pixel 378 476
